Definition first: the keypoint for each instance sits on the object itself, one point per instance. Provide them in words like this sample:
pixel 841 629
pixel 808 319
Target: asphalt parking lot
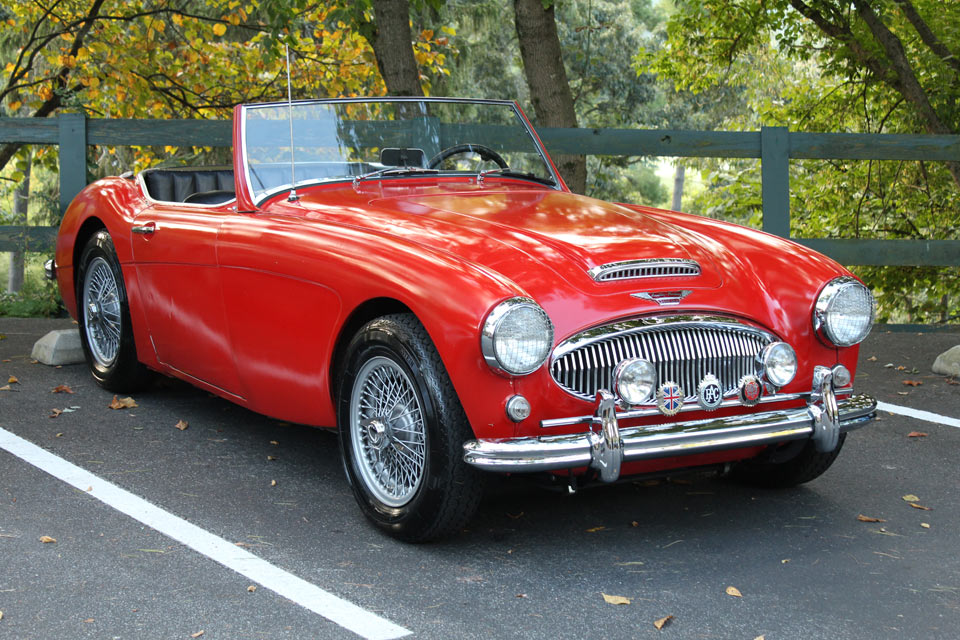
pixel 533 564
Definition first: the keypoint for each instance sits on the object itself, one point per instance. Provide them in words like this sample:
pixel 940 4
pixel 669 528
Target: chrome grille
pixel 683 350
pixel 649 268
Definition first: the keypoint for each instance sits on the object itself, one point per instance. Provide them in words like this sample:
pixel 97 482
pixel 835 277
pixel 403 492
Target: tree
pixel 818 65
pixel 549 88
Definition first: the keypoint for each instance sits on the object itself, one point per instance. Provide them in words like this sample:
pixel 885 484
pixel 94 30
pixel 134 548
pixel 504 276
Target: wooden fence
pixel 774 146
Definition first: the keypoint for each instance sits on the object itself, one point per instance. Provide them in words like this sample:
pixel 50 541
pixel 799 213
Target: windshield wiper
pixel 392 171
pixel 513 173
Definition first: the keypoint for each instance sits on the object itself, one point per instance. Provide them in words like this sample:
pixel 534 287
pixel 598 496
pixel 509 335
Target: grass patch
pixel 39 298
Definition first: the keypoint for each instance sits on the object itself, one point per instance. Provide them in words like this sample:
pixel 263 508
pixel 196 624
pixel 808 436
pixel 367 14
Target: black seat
pixel 218 196
pixel 176 185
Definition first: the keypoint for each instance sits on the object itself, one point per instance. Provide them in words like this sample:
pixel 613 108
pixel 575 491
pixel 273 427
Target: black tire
pixel 106 332
pixel 438 492
pixel 788 466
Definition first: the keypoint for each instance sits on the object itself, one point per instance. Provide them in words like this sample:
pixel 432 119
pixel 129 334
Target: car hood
pixel 546 242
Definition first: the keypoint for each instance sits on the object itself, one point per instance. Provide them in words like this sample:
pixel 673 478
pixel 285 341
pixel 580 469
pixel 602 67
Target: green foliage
pixel 38 297
pixel 789 72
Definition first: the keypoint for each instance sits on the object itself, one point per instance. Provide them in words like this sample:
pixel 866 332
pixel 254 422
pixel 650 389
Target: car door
pixel 175 251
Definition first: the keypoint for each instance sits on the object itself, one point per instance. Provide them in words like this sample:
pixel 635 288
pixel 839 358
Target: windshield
pixel 348 139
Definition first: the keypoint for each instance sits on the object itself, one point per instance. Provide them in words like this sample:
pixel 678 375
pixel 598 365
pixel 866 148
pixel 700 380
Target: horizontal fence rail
pixel 774 146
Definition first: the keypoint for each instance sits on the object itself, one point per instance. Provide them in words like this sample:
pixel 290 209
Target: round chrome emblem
pixel 669 398
pixel 709 393
pixel 750 390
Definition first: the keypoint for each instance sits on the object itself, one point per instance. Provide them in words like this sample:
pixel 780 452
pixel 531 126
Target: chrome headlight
pixel 844 312
pixel 517 336
pixel 778 363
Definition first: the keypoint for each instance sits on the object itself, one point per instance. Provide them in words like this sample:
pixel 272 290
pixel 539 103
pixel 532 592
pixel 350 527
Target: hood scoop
pixel 647 268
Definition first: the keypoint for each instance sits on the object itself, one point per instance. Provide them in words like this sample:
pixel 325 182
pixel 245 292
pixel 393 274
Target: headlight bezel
pixel 829 294
pixel 495 320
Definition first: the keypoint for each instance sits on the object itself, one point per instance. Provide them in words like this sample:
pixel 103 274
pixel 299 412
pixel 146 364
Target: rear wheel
pixel 402 431
pixel 787 466
pixel 104 317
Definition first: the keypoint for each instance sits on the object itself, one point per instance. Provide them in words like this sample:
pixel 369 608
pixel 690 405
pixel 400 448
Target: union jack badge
pixel 709 393
pixel 750 390
pixel 669 398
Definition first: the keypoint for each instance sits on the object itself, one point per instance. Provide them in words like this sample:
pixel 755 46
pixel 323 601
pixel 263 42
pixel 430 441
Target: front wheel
pixel 402 431
pixel 103 314
pixel 788 466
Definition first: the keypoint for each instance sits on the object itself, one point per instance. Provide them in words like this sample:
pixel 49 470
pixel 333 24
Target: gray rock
pixel 948 362
pixel 59 347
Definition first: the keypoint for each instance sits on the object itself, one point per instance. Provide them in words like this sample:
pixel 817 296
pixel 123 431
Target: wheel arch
pixel 361 315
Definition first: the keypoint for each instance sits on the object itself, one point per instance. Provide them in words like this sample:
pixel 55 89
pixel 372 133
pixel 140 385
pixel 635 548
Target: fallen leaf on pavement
pixel 55 412
pixel 863 518
pixel 903 393
pixel 252 588
pixel 5 387
pixel 924 525
pixel 47 539
pixel 760 638
pixel 615 599
pixel 521 595
pixel 62 389
pixel 733 591
pixel 274 442
pixel 123 403
pixel 634 523
pixel 911 498
pixel 595 529
pixel 916 434
pixel 1 612
pixel 901 368
pixel 662 622
pixel 913 383
pixel 273 483
pixel 197 634
pixel 88 620
pixel 920 506
pixel 13 380
pixel 952 381
pixel 872 358
pixel 632 563
pixel 182 425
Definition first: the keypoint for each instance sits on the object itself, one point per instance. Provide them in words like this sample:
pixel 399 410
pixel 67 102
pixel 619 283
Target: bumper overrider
pixel 605 446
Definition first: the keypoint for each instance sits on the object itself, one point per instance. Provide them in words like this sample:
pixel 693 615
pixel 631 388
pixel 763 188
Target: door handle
pixel 144 230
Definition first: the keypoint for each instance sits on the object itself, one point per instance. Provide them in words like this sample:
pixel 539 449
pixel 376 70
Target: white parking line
pixel 309 596
pixel 919 414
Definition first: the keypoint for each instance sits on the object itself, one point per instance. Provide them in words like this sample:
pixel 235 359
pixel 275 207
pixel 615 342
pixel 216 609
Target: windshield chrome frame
pixel 266 195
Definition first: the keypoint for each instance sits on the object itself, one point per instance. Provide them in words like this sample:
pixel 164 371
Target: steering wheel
pixel 485 153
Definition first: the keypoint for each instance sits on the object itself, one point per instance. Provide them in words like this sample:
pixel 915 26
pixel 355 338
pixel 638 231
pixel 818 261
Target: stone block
pixel 59 347
pixel 948 362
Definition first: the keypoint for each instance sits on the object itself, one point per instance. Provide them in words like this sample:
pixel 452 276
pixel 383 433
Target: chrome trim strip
pixel 646 413
pixel 545 453
pixel 645 268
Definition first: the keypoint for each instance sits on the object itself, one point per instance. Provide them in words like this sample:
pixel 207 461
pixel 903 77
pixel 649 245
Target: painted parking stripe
pixel 309 596
pixel 919 414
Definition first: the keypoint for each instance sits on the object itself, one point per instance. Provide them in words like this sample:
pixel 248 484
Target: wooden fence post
pixel 775 177
pixel 73 156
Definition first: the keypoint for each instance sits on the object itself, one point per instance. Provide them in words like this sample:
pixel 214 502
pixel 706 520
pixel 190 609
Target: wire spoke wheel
pixel 387 431
pixel 102 312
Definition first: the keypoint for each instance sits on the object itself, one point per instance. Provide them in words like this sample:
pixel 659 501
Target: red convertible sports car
pixel 415 273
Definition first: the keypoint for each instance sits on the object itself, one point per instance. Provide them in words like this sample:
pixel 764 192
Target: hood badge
pixel 663 298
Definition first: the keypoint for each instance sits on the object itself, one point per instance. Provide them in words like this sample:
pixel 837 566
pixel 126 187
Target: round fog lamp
pixel 779 363
pixel 635 380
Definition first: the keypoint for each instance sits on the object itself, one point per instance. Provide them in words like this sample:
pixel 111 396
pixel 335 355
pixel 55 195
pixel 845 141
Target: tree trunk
pixel 547 79
pixel 21 197
pixel 392 44
pixel 678 176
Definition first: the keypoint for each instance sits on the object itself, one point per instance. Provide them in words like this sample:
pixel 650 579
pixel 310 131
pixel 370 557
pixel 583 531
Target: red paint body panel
pixel 250 301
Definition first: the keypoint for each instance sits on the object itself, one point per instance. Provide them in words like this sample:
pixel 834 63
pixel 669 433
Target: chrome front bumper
pixel 606 446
